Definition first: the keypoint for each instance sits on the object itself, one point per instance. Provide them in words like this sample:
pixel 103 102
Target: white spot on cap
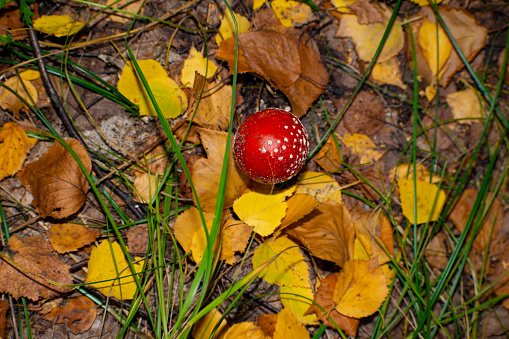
pixel 293 126
pixel 286 127
pixel 280 158
pixel 285 139
pixel 293 146
pixel 283 147
pixel 276 150
pixel 279 141
pixel 291 156
pixel 264 150
pixel 269 142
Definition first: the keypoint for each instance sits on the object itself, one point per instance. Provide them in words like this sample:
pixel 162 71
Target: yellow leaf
pixel 234 238
pixel 203 328
pixel 430 200
pixel 214 107
pixel 195 62
pixel 146 185
pixel 190 233
pixel 227 28
pixel 362 146
pixel 299 205
pixel 245 330
pixel 321 186
pixel 57 25
pixel 388 72
pixel 361 288
pixel 288 269
pixel 435 52
pixel 368 37
pixel 298 300
pixel 373 229
pixel 359 252
pixel 425 2
pixel 9 101
pixel 465 105
pixel 105 268
pixel 171 99
pixel 406 171
pixel 291 13
pixel 30 74
pixel 13 149
pixel 262 211
pixel 342 6
pixel 288 327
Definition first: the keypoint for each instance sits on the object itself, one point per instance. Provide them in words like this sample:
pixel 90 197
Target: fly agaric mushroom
pixel 271 146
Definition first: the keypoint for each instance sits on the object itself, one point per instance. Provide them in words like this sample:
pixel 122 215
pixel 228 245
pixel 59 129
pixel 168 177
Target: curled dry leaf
pixel 24 87
pixel 13 149
pixel 206 173
pixel 34 272
pixel 371 229
pixel 293 67
pixel 324 298
pixel 70 237
pixel 327 232
pixel 79 315
pixel 56 181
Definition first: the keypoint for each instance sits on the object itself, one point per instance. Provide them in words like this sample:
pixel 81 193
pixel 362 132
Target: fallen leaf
pixel 79 315
pixel 328 157
pixel 58 25
pixel 424 2
pixel 37 272
pixel 365 115
pixel 190 233
pixel 234 238
pixel 206 173
pixel 171 99
pixel 70 237
pixel 343 6
pixel 288 267
pixel 373 228
pixel 436 253
pixel 138 239
pixel 324 298
pixel 288 327
pixel 469 36
pixel 195 62
pixel 368 37
pixel 292 13
pixel 320 186
pixel 204 326
pixel 263 211
pixel 214 107
pixel 388 73
pixel 267 323
pixel 430 200
pixel 245 330
pixel 109 272
pixel 299 205
pixel 56 181
pixel 327 232
pixel 492 225
pixel 465 106
pixel 293 67
pixel 146 187
pixel 4 308
pixel 406 171
pixel 227 27
pixel 298 299
pixel 367 11
pixel 361 288
pixel 13 149
pixel 125 5
pixel 362 146
pixel 23 87
pixel 258 3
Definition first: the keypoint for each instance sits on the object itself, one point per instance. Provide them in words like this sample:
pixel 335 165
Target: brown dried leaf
pixel 367 11
pixel 300 76
pixel 70 237
pixel 328 232
pixel 365 115
pixel 234 238
pixel 34 271
pixel 267 323
pixel 10 20
pixel 328 157
pixel 138 238
pixel 372 228
pixel 214 107
pixel 4 307
pixel 323 297
pixel 56 181
pixel 206 173
pixel 437 251
pixel 79 315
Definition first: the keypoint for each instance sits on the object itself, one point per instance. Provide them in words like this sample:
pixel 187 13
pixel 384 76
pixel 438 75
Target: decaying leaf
pixel 263 211
pixel 138 239
pixel 320 186
pixel 58 25
pixel 235 238
pixel 362 146
pixel 34 272
pixel 204 327
pixel 465 106
pixel 109 272
pixel 23 86
pixel 214 107
pixel 429 200
pixel 388 72
pixel 365 115
pixel 288 268
pixel 360 289
pixel 170 98
pixel 195 62
pixel 14 146
pixel 125 5
pixel 327 232
pixel 227 28
pixel 70 237
pixel 324 298
pixel 368 37
pixel 329 158
pixel 79 315
pixel 292 13
pixel 56 181
pixel 298 299
pixel 206 173
pixel 4 308
pixel 373 229
pixel 293 67
pixel 288 327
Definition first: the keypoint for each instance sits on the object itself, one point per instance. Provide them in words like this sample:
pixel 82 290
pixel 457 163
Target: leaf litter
pixel 335 234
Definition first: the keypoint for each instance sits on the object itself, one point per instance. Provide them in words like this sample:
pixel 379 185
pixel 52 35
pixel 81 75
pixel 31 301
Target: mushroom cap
pixel 271 146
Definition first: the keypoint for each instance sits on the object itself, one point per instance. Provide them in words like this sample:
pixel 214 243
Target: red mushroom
pixel 271 146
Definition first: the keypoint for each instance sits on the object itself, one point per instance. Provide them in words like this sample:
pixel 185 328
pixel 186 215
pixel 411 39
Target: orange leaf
pixel 70 237
pixel 234 238
pixel 372 228
pixel 289 327
pixel 13 150
pixel 79 315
